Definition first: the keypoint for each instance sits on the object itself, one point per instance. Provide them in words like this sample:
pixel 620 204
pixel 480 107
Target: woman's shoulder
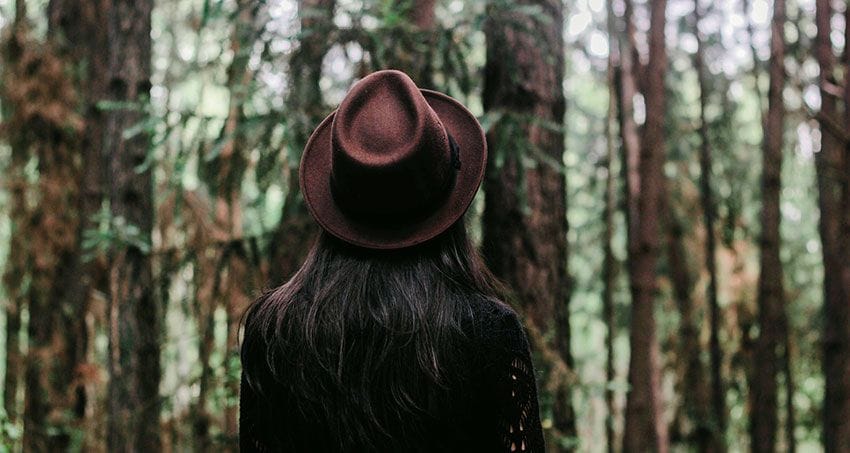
pixel 495 321
pixel 490 306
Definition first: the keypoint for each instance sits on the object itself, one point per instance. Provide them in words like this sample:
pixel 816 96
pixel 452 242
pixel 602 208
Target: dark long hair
pixel 366 343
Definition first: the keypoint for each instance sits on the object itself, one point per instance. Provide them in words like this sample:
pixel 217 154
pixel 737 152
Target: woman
pixel 392 335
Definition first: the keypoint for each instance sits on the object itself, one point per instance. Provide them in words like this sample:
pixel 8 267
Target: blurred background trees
pixel 668 194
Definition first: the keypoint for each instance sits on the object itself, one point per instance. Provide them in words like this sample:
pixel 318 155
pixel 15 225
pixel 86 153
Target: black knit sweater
pixel 495 410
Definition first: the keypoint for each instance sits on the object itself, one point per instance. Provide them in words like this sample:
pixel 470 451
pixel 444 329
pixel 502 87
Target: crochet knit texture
pixel 495 410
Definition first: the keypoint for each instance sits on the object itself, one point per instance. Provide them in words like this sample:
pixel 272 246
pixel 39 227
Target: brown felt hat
pixel 394 165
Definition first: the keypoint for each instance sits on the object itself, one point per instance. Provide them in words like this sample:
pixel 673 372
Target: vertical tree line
pixel 718 393
pixel 47 120
pixel 772 322
pixel 645 428
pixel 609 266
pixel 524 222
pixel 133 315
pixel 100 261
pixel 833 182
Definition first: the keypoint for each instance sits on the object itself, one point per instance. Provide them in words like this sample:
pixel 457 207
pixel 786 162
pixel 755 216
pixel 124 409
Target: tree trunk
pixel 77 30
pixel 830 163
pixel 692 424
pixel 609 266
pixel 524 223
pixel 16 264
pixel 134 315
pixel 745 6
pixel 307 108
pixel 771 317
pixel 646 429
pixel 14 357
pixel 845 243
pixel 718 393
pixel 235 285
pixel 629 134
pixel 43 124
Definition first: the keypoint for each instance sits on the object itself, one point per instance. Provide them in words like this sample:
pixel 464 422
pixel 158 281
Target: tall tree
pixel 692 384
pixel 609 266
pixel 15 268
pixel 718 395
pixel 76 28
pixel 307 108
pixel 47 93
pixel 645 427
pixel 134 315
pixel 771 300
pixel 629 134
pixel 226 274
pixel 845 245
pixel 524 223
pixel 235 283
pixel 832 180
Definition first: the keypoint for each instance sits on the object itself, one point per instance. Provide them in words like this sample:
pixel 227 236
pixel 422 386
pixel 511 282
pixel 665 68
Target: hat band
pixel 455 151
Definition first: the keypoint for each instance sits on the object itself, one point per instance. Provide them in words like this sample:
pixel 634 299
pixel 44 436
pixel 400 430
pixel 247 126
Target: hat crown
pixel 391 155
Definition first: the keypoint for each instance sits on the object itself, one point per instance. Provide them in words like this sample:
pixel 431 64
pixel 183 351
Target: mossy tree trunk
pixel 44 124
pixel 134 315
pixel 718 389
pixel 832 180
pixel 772 322
pixel 646 429
pixel 525 223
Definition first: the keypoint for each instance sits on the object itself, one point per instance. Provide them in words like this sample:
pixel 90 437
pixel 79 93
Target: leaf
pixel 147 124
pixel 108 106
pixel 489 119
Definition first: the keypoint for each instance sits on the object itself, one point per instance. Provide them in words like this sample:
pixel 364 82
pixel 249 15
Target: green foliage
pixel 10 433
pixel 113 232
pixel 190 103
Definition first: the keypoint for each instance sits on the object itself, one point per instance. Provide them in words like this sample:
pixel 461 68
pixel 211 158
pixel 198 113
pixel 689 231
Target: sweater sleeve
pixel 515 387
pixel 249 441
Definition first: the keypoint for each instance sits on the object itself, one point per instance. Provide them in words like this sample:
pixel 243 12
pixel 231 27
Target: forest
pixel 667 195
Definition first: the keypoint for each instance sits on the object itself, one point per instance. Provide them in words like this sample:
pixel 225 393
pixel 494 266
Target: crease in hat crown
pixel 381 171
pixel 391 155
pixel 351 104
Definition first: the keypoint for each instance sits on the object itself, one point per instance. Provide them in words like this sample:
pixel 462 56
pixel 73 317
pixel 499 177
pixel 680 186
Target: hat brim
pixel 315 176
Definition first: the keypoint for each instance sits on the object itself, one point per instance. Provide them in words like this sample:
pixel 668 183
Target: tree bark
pixel 14 357
pixel 718 393
pixel 296 230
pixel 609 266
pixel 629 134
pixel 771 300
pixel 134 315
pixel 77 29
pixel 692 424
pixel 745 6
pixel 845 245
pixel 524 223
pixel 236 284
pixel 44 124
pixel 15 267
pixel 831 180
pixel 645 428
